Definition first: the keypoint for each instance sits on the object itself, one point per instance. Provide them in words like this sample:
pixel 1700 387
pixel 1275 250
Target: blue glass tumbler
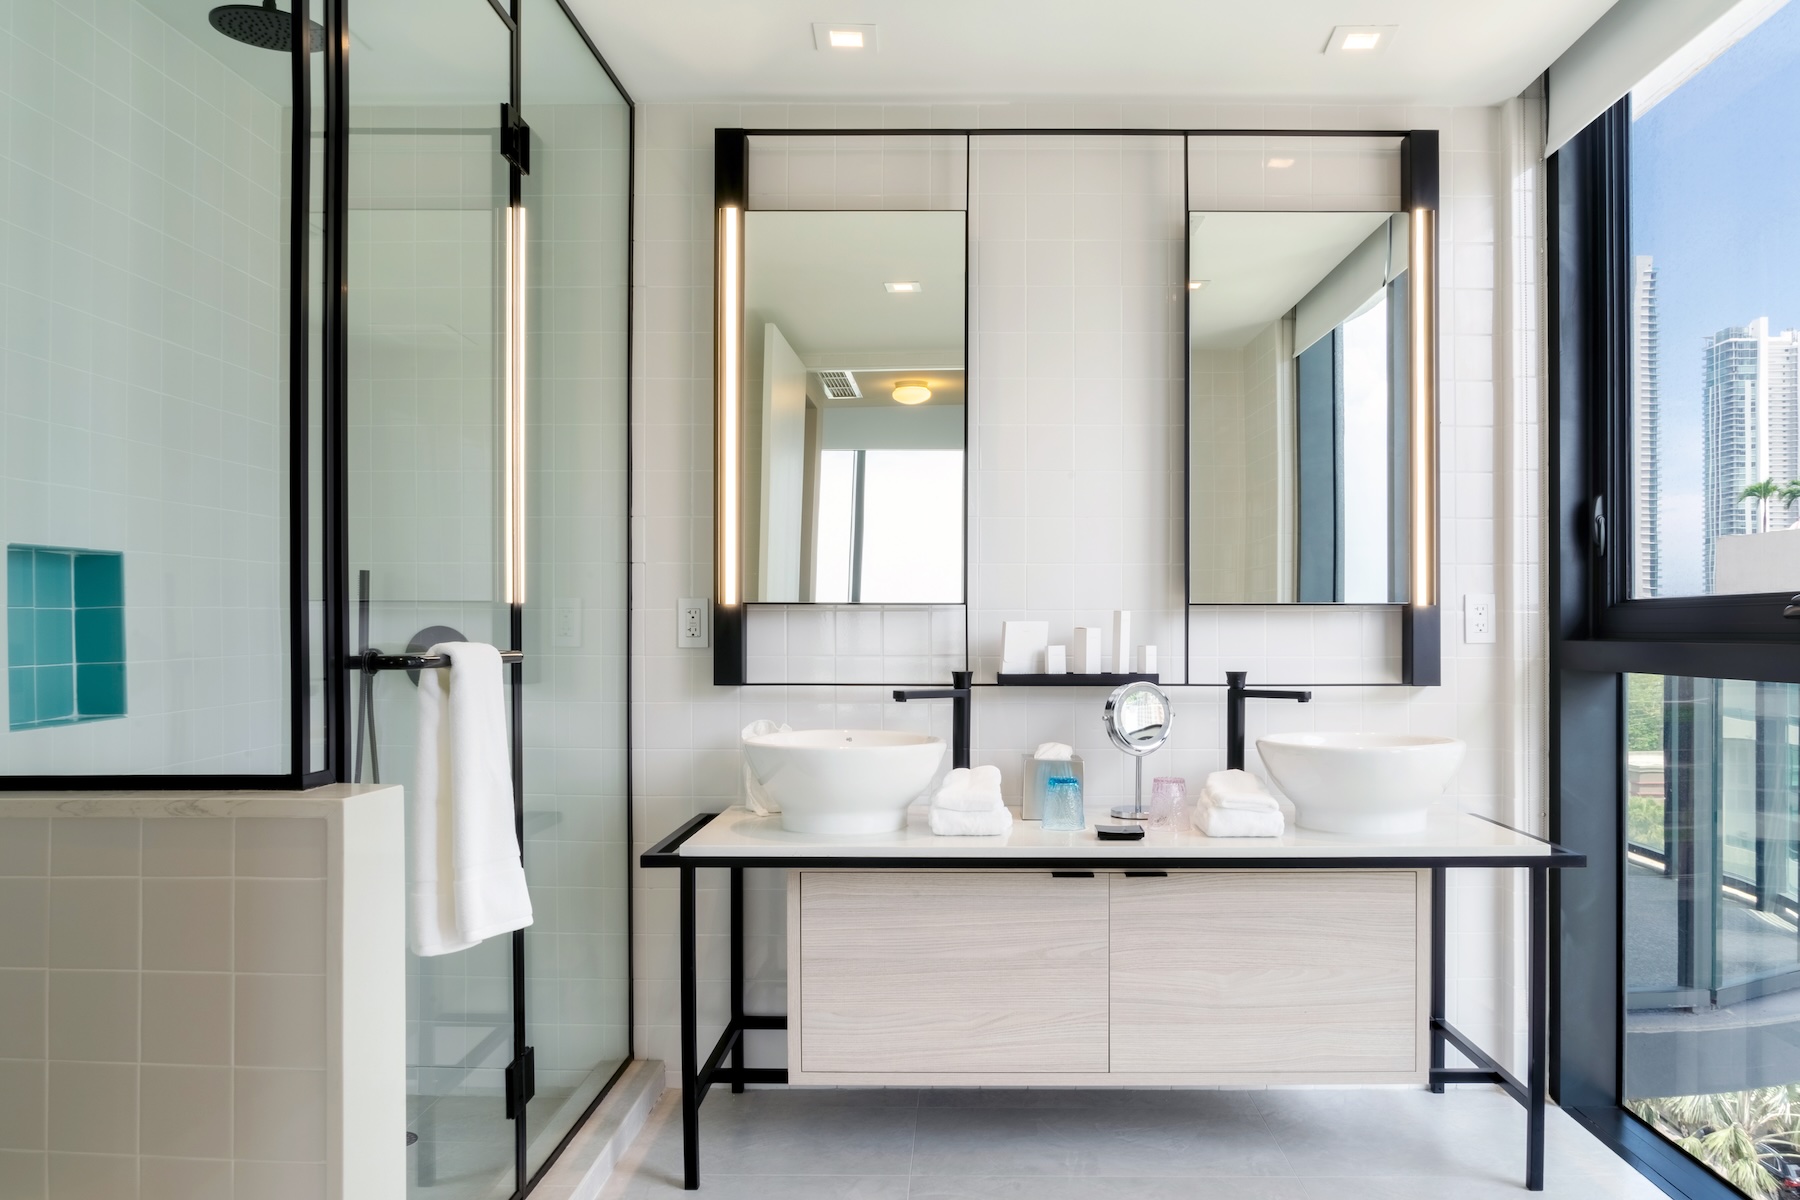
pixel 1062 805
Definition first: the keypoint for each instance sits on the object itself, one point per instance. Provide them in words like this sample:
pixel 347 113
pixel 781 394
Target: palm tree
pixel 1790 492
pixel 1740 1135
pixel 1762 493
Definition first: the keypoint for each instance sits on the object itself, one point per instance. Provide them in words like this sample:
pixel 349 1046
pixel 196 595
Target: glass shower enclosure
pixel 486 287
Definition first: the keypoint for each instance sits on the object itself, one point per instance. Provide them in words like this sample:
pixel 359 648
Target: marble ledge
pixel 315 802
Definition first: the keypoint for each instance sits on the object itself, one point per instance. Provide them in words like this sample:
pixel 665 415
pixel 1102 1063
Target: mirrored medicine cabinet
pixel 842 404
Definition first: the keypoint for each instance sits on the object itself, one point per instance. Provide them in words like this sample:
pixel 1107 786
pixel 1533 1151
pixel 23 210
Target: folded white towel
pixel 965 790
pixel 1242 801
pixel 468 883
pixel 950 823
pixel 1055 752
pixel 1236 822
pixel 1235 782
pixel 976 779
pixel 756 799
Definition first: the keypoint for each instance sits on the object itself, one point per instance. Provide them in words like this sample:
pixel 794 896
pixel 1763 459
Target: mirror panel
pixel 1298 408
pixel 853 412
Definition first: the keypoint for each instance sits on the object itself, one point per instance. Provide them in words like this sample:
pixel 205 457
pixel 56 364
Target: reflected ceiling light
pixel 1195 285
pixel 904 287
pixel 833 36
pixel 911 391
pixel 1281 164
pixel 1360 39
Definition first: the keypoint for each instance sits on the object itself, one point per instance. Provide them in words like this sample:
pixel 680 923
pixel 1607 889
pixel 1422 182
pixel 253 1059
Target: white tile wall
pixel 164 984
pixel 142 234
pixel 685 760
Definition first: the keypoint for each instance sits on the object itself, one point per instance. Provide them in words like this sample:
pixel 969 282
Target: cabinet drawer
pixel 1296 974
pixel 956 972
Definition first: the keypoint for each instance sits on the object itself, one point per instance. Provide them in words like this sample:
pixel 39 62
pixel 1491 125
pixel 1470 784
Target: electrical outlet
pixel 565 623
pixel 1478 618
pixel 690 624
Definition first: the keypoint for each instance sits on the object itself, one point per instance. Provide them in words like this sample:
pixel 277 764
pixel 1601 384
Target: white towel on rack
pixel 468 882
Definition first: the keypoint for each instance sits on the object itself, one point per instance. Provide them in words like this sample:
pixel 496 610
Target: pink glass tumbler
pixel 1168 803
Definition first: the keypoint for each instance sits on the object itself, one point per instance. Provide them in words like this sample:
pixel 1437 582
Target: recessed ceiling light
pixel 906 287
pixel 851 39
pixel 911 391
pixel 1360 39
pixel 832 36
pixel 1281 164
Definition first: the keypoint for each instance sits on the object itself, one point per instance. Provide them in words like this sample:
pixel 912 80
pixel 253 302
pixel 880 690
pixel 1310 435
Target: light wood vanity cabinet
pixel 1216 976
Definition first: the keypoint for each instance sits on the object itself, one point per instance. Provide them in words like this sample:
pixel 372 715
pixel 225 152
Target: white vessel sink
pixel 843 780
pixel 1373 784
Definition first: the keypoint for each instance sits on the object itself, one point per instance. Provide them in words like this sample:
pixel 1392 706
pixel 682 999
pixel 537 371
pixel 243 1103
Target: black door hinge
pixel 521 1083
pixel 515 139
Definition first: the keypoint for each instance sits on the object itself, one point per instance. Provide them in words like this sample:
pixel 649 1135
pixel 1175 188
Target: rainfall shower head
pixel 266 28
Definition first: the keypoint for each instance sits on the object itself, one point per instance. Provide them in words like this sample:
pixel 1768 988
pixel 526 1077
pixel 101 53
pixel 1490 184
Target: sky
pixel 1715 200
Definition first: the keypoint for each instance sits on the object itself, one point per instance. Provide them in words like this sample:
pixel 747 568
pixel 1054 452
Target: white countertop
pixel 739 833
pixel 314 802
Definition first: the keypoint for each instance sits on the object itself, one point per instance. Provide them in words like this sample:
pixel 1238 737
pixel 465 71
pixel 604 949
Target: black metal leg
pixel 690 1057
pixel 1439 892
pixel 737 978
pixel 1537 1068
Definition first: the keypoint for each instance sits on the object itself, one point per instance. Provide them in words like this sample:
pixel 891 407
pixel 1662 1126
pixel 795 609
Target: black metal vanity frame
pixel 698 1077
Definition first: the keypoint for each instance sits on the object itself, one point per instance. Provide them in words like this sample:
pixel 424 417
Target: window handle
pixel 1600 526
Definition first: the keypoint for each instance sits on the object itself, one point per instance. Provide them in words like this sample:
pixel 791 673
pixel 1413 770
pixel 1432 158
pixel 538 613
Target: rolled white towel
pixel 950 823
pixel 1055 752
pixel 1236 822
pixel 964 790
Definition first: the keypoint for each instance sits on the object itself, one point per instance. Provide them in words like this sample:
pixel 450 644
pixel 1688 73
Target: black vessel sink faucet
pixel 1235 695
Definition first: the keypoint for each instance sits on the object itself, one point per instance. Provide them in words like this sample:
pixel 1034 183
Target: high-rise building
pixel 1646 472
pixel 1750 409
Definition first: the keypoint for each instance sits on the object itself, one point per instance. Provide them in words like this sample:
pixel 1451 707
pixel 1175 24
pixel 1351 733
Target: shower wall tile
pixel 143 393
pixel 180 1004
pixel 1076 363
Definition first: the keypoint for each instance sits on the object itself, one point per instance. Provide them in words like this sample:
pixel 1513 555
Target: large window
pixel 1715 314
pixel 1712 944
pixel 1675 326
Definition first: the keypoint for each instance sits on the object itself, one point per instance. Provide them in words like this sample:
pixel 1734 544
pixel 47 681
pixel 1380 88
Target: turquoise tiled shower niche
pixel 65 636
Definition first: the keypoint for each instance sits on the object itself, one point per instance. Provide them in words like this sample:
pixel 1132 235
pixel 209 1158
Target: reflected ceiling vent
pixel 839 385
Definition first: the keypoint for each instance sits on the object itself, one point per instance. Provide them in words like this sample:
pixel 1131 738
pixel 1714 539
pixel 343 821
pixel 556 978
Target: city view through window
pixel 1715 240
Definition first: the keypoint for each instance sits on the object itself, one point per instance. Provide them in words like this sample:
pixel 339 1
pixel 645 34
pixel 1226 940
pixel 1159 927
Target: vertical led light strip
pixel 512 486
pixel 1423 269
pixel 730 326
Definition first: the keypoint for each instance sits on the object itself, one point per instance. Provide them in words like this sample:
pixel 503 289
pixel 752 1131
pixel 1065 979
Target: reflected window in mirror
pixel 1298 338
pixel 853 407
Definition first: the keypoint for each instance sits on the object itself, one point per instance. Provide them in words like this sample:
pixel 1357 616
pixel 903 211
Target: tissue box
pixel 1038 772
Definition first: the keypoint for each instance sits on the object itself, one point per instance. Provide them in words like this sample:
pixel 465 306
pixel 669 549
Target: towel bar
pixel 373 662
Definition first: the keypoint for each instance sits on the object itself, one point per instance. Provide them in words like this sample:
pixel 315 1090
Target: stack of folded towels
pixel 1235 804
pixel 969 804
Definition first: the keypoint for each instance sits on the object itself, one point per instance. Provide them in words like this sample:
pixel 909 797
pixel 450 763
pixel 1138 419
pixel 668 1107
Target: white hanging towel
pixel 468 882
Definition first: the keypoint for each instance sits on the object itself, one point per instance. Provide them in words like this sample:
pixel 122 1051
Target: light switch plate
pixel 565 623
pixel 690 623
pixel 1478 618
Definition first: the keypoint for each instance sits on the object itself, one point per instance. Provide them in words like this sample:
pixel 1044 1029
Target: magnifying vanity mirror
pixel 1137 719
pixel 852 407
pixel 1300 480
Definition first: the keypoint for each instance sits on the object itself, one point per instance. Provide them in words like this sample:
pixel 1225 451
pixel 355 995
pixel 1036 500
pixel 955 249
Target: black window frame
pixel 1600 633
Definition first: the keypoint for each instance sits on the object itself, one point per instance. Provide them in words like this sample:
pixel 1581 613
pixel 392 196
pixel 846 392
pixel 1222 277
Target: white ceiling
pixel 1445 52
pixel 1258 265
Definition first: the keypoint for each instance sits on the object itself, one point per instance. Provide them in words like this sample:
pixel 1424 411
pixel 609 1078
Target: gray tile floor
pixel 942 1144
